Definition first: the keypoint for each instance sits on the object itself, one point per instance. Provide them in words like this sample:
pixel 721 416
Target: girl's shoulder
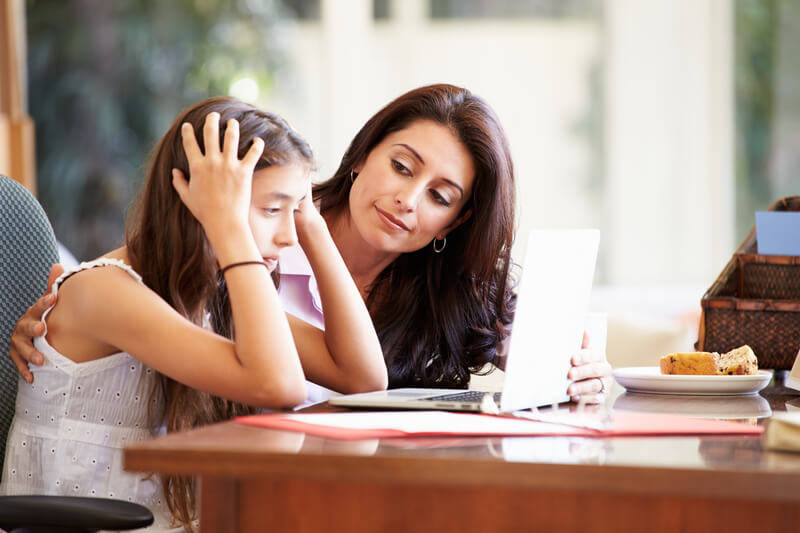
pixel 94 266
pixel 93 281
pixel 89 298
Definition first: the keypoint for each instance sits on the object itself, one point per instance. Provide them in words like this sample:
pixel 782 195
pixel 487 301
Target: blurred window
pixel 767 81
pixel 457 9
pixel 381 9
pixel 301 9
pixel 106 79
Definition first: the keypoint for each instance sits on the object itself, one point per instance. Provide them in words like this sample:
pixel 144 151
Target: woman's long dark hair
pixel 441 316
pixel 167 246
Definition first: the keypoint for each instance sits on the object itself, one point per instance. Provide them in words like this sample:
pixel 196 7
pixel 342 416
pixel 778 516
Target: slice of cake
pixel 739 361
pixel 689 363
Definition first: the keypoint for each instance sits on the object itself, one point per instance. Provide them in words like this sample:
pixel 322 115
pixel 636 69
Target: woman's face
pixel 411 188
pixel 277 193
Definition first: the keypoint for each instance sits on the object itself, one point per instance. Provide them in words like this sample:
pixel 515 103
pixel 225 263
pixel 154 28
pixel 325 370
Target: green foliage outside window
pixel 767 100
pixel 107 78
pixel 754 31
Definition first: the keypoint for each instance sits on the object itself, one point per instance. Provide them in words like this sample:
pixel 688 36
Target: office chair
pixel 27 251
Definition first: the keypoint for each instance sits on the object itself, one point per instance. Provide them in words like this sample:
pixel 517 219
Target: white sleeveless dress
pixel 71 424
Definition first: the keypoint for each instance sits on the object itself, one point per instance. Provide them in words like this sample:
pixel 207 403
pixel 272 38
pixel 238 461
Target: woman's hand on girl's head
pixel 219 186
pixel 590 373
pixel 30 325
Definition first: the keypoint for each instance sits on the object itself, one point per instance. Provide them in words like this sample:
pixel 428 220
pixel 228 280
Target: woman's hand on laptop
pixel 590 373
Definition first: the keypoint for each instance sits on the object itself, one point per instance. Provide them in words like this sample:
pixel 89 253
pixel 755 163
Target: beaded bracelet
pixel 240 263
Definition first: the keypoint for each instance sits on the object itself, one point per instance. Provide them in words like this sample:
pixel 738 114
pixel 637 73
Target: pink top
pixel 300 297
pixel 298 287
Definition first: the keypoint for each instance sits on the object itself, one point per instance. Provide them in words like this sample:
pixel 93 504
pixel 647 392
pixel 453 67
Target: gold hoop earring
pixel 439 249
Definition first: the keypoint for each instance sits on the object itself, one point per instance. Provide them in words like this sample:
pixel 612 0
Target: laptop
pixel 552 303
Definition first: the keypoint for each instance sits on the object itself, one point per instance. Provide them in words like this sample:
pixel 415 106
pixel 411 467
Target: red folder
pixel 354 425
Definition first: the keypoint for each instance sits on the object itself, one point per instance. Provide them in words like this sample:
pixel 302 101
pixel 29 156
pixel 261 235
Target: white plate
pixel 650 379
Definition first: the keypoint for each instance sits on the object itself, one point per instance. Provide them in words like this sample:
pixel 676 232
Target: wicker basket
pixel 755 301
pixel 768 276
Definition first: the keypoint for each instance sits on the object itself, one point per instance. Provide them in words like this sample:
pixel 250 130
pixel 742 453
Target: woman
pixel 422 210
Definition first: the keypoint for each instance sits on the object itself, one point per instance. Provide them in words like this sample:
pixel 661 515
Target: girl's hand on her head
pixel 30 325
pixel 219 185
pixel 307 217
pixel 590 372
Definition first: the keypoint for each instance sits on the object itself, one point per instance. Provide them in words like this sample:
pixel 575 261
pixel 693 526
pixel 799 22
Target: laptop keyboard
pixel 472 396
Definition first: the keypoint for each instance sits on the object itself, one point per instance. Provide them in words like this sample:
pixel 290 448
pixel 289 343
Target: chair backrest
pixel 28 249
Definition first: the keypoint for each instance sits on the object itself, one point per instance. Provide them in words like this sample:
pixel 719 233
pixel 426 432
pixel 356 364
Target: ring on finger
pixel 602 385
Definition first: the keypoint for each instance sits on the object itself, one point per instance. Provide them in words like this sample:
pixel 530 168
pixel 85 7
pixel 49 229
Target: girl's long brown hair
pixel 167 246
pixel 441 316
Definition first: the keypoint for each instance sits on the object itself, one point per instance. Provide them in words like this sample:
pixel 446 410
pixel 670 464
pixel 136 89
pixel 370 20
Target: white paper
pixel 783 432
pixel 793 379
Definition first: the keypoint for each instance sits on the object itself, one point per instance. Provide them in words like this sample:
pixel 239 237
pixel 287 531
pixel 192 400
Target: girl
pixel 183 326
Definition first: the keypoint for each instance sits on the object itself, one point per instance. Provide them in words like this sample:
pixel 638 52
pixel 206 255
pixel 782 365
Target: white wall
pixel 664 195
pixel 669 140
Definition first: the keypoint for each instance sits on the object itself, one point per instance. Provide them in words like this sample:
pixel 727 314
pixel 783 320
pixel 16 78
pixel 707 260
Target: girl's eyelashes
pixel 276 210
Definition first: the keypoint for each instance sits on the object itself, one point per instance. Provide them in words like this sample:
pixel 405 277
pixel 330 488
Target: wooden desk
pixel 255 480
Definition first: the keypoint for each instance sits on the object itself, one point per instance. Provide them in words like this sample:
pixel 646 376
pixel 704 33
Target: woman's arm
pixel 590 372
pixel 30 325
pixel 347 356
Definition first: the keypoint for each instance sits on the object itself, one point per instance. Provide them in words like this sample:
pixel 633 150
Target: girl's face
pixel 277 193
pixel 411 188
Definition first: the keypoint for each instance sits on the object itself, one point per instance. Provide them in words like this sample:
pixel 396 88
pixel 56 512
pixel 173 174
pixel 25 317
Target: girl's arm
pixel 347 356
pixel 106 305
pixel 218 195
